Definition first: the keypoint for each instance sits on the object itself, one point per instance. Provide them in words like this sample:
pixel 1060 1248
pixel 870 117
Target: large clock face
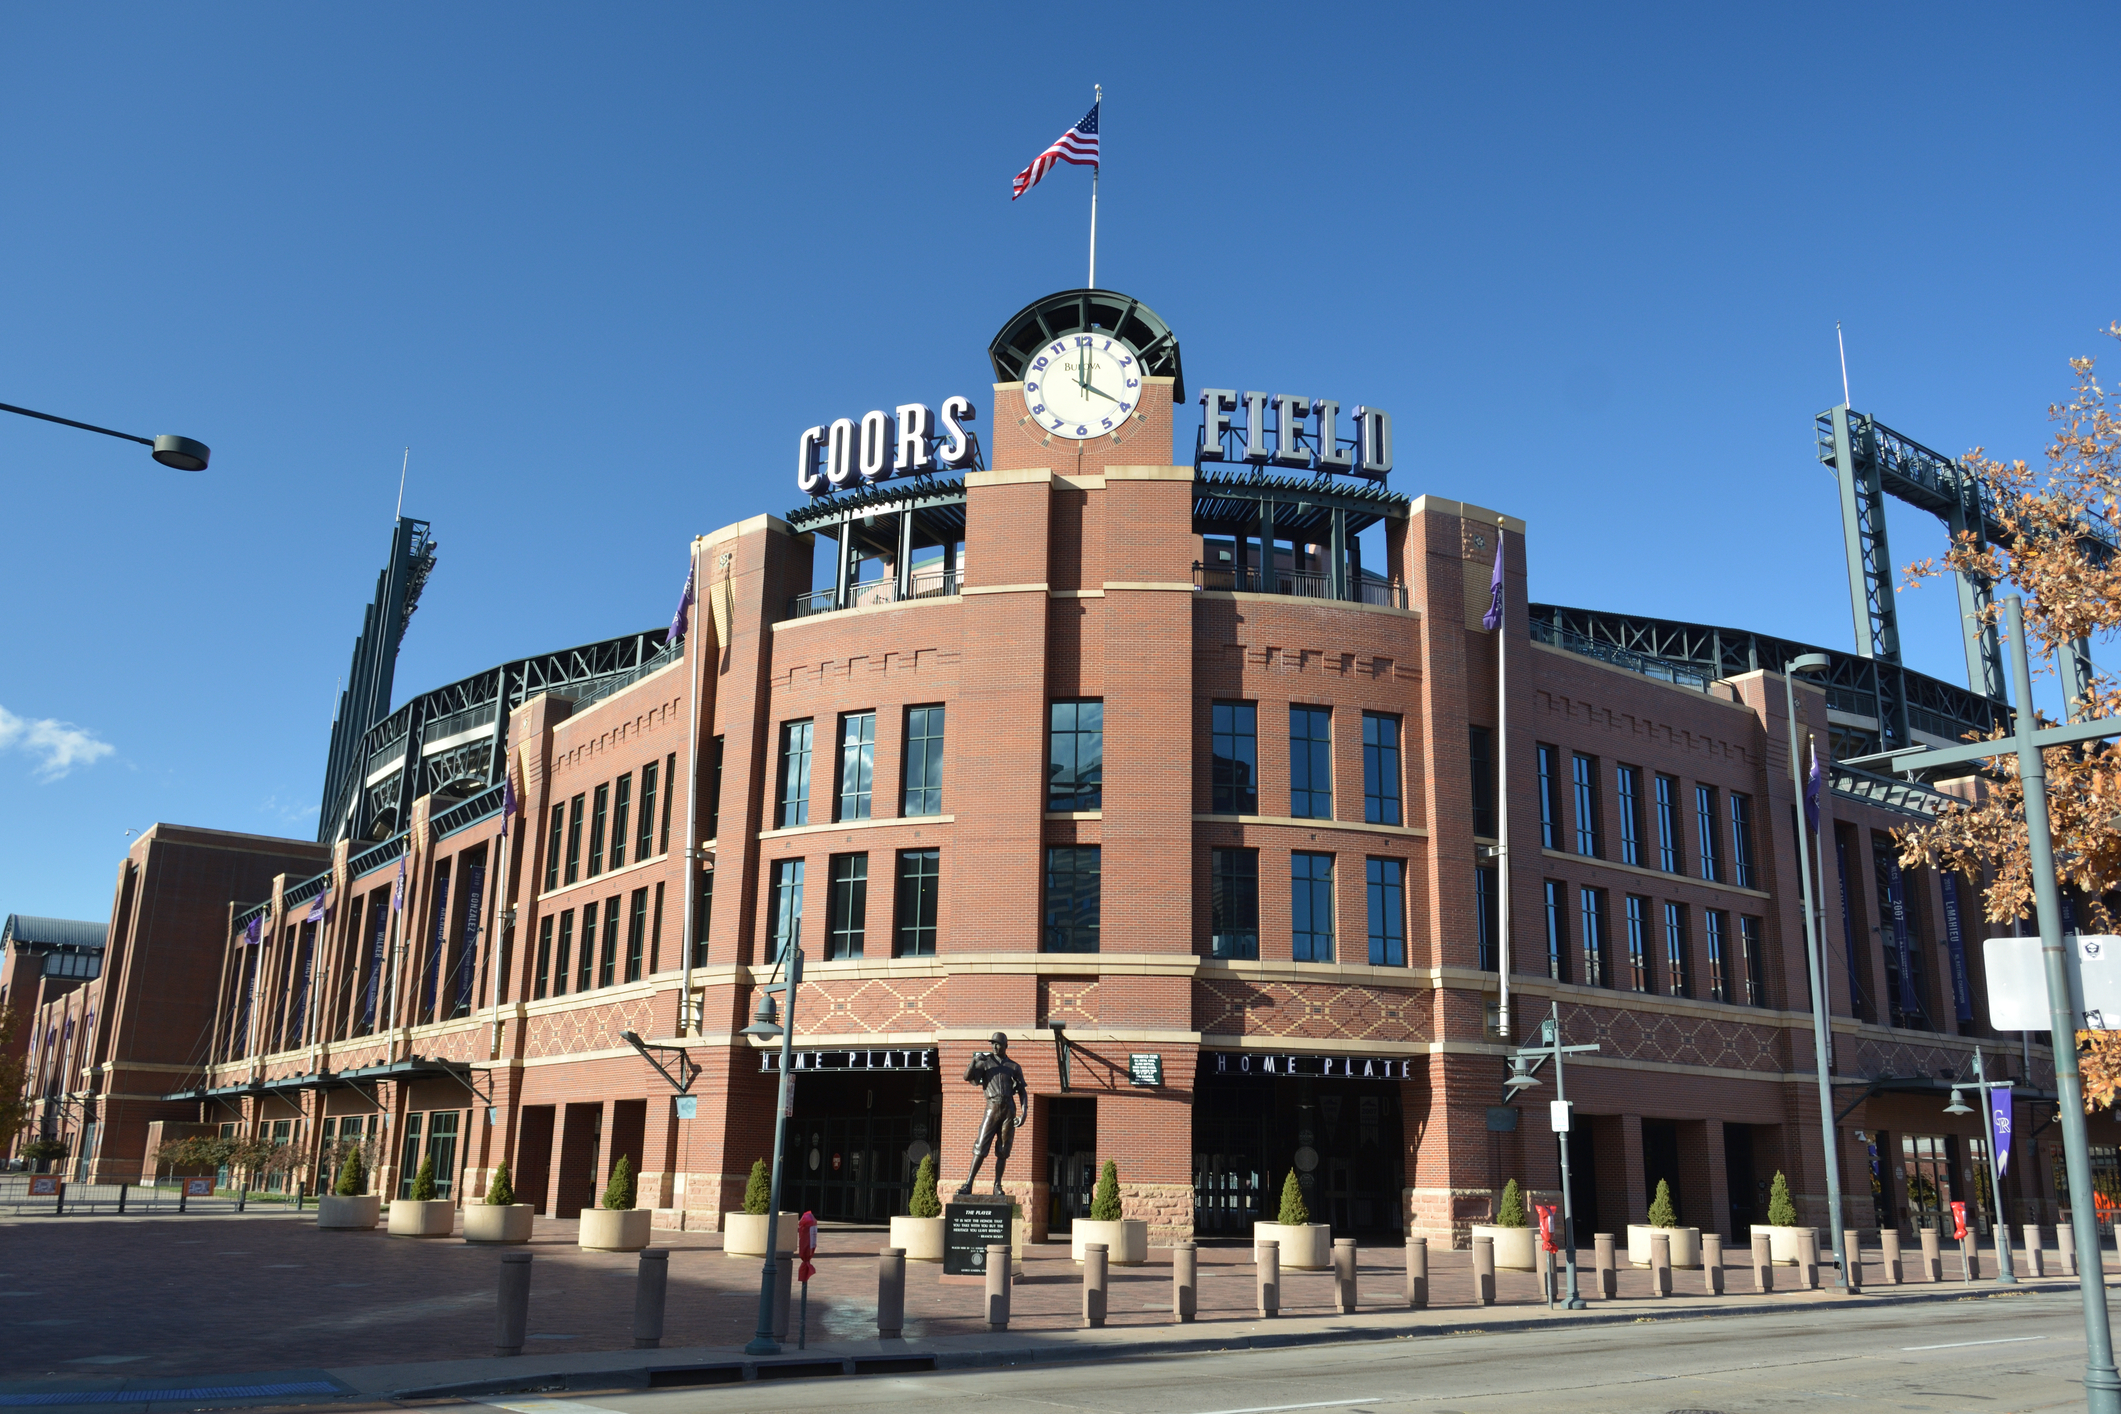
pixel 1083 385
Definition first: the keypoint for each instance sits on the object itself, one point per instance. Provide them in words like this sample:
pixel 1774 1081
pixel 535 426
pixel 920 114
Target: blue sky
pixel 598 266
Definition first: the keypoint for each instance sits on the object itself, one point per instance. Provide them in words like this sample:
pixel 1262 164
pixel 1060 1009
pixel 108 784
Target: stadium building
pixel 1188 772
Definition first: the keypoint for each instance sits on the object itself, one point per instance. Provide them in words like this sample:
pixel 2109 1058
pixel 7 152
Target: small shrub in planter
pixel 347 1206
pixel 1515 1243
pixel 1305 1245
pixel 618 1193
pixel 499 1218
pixel 423 1182
pixel 351 1179
pixel 501 1193
pixel 422 1214
pixel 1684 1243
pixel 1781 1212
pixel 744 1234
pixel 919 1234
pixel 1294 1212
pixel 615 1225
pixel 1781 1227
pixel 1126 1239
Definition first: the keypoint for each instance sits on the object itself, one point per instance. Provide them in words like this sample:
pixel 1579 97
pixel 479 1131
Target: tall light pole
pixel 1521 1079
pixel 2004 1275
pixel 182 453
pixel 1815 963
pixel 764 1025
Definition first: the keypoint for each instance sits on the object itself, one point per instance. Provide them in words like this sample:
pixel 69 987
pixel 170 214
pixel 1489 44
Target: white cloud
pixel 62 744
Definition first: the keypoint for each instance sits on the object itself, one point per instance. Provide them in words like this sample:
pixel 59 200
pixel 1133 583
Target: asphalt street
pixel 1993 1354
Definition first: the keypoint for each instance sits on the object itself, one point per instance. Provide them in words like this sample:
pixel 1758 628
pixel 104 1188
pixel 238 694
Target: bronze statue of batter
pixel 1003 1080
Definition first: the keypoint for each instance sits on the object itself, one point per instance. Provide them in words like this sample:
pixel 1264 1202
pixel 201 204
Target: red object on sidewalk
pixel 805 1246
pixel 1959 1222
pixel 1549 1225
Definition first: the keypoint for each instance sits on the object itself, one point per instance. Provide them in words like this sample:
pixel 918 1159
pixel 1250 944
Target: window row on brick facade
pixel 1234 776
pixel 619 940
pixel 611 821
pixel 1657 815
pixel 854 767
pixel 916 887
pixel 1233 906
pixel 1653 950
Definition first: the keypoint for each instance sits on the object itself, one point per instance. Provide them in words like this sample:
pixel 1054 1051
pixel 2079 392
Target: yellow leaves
pixel 2099 1058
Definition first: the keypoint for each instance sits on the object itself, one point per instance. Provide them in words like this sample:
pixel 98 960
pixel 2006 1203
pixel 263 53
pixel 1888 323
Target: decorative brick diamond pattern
pixel 1308 1011
pixel 1727 1044
pixel 873 1006
pixel 566 1033
pixel 1069 999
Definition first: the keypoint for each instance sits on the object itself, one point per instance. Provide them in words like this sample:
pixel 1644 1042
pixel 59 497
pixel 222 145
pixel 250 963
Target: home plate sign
pixel 2017 982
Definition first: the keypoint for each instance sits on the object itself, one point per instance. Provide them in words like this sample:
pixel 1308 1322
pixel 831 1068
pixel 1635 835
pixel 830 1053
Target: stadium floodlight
pixel 180 453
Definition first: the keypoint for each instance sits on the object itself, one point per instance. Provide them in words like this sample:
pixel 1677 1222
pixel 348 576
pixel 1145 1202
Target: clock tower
pixel 1084 379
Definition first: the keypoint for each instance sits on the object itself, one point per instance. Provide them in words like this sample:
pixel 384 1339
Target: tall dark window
pixel 1714 924
pixel 1482 742
pixel 670 793
pixel 598 817
pixel 1751 966
pixel 1380 769
pixel 1548 759
pixel 702 916
pixel 542 978
pixel 847 907
pixel 1233 760
pixel 1638 925
pixel 585 969
pixel 1904 992
pixel 924 761
pixel 857 764
pixel 1587 812
pixel 1388 912
pixel 574 839
pixel 1670 842
pixel 1742 840
pixel 794 794
pixel 1233 903
pixel 786 922
pixel 645 845
pixel 1073 898
pixel 637 935
pixel 552 847
pixel 714 793
pixel 1629 781
pixel 1311 907
pixel 621 818
pixel 920 878
pixel 1556 908
pixel 563 957
pixel 1705 827
pixel 1487 904
pixel 655 928
pixel 1678 977
pixel 608 962
pixel 1311 763
pixel 1594 949
pixel 1075 758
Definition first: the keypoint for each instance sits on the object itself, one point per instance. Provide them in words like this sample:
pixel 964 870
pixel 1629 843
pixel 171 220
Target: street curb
pixel 736 1368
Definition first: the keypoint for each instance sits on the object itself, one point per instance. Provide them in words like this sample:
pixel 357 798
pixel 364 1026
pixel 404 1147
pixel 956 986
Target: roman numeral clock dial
pixel 1083 385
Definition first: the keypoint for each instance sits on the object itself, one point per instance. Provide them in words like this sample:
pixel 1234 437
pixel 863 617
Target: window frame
pixel 621 818
pixel 855 798
pixel 1310 894
pixel 923 752
pixel 1385 883
pixel 791 807
pixel 1641 973
pixel 1072 916
pixel 1233 898
pixel 1309 758
pixel 846 906
pixel 644 843
pixel 1741 813
pixel 919 893
pixel 1707 825
pixel 599 813
pixel 563 954
pixel 1678 948
pixel 1550 823
pixel 1715 926
pixel 554 845
pixel 1671 827
pixel 1627 784
pixel 784 906
pixel 1590 835
pixel 1233 749
pixel 574 839
pixel 1591 915
pixel 1086 784
pixel 1383 798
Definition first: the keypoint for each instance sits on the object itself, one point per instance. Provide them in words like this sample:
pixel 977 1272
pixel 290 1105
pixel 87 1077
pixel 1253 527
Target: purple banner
pixel 1955 941
pixel 375 973
pixel 468 955
pixel 1848 927
pixel 433 981
pixel 1999 1128
pixel 1903 952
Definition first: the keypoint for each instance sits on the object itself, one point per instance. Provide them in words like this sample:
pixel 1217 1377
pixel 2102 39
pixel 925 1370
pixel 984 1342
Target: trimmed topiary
pixel 618 1193
pixel 1104 1204
pixel 924 1203
pixel 1293 1211
pixel 350 1176
pixel 1510 1211
pixel 1661 1213
pixel 1781 1212
pixel 758 1192
pixel 423 1182
pixel 500 1193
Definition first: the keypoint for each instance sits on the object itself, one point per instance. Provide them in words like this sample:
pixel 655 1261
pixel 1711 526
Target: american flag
pixel 1077 145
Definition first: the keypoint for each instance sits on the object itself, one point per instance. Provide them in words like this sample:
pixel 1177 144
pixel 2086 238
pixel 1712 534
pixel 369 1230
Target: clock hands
pixel 1093 388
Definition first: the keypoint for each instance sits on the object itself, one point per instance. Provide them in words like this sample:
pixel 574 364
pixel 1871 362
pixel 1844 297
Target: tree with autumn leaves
pixel 2073 591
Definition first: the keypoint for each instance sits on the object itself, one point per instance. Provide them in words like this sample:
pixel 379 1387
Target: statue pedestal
pixel 971 1223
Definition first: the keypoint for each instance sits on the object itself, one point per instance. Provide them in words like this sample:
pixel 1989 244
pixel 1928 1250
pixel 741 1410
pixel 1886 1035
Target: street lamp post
pixel 1521 1079
pixel 182 453
pixel 764 1025
pixel 1815 963
pixel 2004 1275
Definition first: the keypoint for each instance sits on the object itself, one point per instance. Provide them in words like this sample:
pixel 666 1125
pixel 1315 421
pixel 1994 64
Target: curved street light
pixel 181 453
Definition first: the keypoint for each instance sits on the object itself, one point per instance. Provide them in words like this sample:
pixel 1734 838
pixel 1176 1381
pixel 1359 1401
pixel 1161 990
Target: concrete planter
pixel 411 1218
pixel 1782 1242
pixel 358 1213
pixel 507 1222
pixel 920 1238
pixel 744 1234
pixel 1685 1244
pixel 1126 1240
pixel 1308 1248
pixel 615 1229
pixel 1516 1248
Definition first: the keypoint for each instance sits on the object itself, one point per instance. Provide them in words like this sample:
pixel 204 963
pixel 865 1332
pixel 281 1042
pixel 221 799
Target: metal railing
pixel 467 813
pixel 666 655
pixel 924 584
pixel 1907 797
pixel 165 1199
pixel 1300 584
pixel 1660 669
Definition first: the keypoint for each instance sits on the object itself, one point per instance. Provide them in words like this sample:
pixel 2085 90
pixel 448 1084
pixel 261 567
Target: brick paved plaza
pixel 197 1296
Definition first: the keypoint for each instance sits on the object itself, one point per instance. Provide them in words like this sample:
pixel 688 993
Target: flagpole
pixel 1502 812
pixel 1095 167
pixel 693 670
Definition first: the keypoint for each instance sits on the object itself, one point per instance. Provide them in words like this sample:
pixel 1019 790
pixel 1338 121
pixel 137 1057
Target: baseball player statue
pixel 1008 1105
